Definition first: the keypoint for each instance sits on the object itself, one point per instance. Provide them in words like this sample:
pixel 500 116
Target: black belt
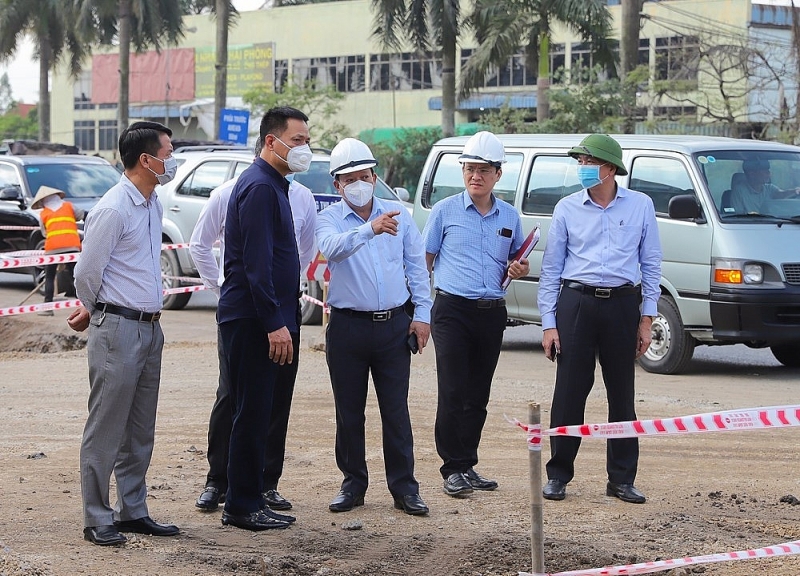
pixel 128 313
pixel 626 290
pixel 376 316
pixel 482 303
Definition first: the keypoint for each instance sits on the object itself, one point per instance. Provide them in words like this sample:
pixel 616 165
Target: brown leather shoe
pixel 625 492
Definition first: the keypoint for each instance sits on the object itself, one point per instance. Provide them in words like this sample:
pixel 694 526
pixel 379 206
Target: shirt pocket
pixel 392 246
pixel 502 248
pixel 627 238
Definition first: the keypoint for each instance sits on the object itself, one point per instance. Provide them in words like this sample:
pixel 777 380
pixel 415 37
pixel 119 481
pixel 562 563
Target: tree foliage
pixel 400 160
pixel 7 101
pixel 15 127
pixel 321 105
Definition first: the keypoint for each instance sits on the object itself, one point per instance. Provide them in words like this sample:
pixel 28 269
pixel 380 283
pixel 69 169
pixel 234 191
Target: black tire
pixel 310 313
pixel 672 347
pixel 787 354
pixel 170 269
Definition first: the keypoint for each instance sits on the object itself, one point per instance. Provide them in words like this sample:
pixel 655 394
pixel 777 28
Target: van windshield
pixel 749 185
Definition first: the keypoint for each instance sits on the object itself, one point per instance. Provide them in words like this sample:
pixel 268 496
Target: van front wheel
pixel 787 354
pixel 672 347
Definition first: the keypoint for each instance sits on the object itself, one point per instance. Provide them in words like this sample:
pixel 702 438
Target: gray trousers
pixel 124 374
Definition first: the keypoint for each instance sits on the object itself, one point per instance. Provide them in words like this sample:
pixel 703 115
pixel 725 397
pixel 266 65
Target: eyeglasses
pixel 479 170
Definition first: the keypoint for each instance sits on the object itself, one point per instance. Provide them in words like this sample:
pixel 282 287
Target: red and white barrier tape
pixel 786 549
pixel 22 254
pixel 313 300
pixel 729 420
pixel 24 228
pixel 38 260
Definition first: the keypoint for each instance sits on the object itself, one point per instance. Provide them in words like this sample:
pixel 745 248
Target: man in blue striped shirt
pixel 118 280
pixel 602 259
pixel 469 240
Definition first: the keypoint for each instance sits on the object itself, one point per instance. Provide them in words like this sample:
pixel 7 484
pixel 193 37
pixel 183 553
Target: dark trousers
pixel 467 341
pixel 590 327
pixel 253 378
pixel 66 276
pixel 221 422
pixel 355 347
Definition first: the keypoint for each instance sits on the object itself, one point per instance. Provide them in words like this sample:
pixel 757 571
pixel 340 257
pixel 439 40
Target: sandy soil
pixel 707 493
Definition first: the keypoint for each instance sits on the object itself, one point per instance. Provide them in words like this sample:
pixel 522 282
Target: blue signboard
pixel 233 126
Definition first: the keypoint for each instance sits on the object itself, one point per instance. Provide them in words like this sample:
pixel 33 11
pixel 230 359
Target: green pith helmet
pixel 602 147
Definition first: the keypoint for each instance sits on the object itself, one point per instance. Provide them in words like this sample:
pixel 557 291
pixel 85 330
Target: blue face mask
pixel 290 177
pixel 589 175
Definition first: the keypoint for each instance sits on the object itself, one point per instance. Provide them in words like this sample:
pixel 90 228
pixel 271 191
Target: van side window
pixel 552 178
pixel 448 179
pixel 8 176
pixel 204 179
pixel 661 179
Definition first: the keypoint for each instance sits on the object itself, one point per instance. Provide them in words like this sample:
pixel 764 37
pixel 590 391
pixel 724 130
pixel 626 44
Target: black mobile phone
pixel 553 352
pixel 413 343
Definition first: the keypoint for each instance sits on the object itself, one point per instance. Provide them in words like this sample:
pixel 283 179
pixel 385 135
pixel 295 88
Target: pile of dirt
pixel 20 335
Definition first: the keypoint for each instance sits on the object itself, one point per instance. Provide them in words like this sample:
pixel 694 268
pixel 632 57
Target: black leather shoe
pixel 625 492
pixel 554 489
pixel 276 501
pixel 254 521
pixel 457 485
pixel 411 504
pixel 345 501
pixel 478 482
pixel 104 535
pixel 147 525
pixel 282 517
pixel 210 499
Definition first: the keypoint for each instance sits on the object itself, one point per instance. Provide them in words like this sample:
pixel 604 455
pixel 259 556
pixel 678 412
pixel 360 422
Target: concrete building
pixel 332 43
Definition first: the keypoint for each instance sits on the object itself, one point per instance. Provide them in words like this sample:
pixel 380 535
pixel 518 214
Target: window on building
pixel 513 73
pixel 346 73
pixel 558 63
pixel 551 178
pixel 582 63
pixel 82 91
pixel 677 58
pixel 107 135
pixel 84 134
pixel 281 74
pixel 405 71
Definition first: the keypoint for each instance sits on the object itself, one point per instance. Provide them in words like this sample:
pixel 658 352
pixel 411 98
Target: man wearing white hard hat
pixel 469 240
pixel 376 259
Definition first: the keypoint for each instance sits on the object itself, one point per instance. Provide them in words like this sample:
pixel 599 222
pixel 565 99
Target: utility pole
pixel 221 63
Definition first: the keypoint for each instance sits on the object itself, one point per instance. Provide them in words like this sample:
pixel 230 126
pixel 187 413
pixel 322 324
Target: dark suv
pixel 84 179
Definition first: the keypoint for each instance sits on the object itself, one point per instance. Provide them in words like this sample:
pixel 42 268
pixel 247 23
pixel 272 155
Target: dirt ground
pixel 706 493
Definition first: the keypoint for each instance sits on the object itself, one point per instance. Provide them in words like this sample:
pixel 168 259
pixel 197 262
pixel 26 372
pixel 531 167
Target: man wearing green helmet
pixel 598 293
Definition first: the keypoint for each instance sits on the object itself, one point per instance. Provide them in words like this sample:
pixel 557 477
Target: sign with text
pixel 249 65
pixel 233 125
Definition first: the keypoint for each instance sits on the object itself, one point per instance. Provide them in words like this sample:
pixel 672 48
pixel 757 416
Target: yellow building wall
pixel 345 29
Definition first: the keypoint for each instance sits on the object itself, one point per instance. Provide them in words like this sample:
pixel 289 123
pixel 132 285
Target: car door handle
pixel 174 209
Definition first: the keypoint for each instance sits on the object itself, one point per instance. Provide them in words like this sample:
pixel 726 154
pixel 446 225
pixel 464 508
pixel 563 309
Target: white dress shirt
pixel 210 228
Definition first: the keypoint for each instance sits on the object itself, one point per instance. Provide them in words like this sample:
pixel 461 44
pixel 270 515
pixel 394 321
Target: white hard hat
pixel 484 147
pixel 351 155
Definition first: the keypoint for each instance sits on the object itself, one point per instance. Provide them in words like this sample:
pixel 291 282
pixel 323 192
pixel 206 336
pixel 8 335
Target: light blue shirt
pixel 370 272
pixel 603 247
pixel 120 261
pixel 471 252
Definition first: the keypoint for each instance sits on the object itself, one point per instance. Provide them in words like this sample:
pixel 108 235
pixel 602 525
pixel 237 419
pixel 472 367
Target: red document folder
pixel 523 252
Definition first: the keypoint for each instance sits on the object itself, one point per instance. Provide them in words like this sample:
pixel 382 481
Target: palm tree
pixel 141 23
pixel 429 24
pixel 502 27
pixel 51 25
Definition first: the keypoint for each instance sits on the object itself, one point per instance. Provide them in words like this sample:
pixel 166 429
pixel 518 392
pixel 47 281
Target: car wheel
pixel 672 347
pixel 170 270
pixel 310 313
pixel 787 354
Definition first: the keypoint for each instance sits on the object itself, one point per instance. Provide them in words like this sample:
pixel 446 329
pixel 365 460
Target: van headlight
pixel 737 272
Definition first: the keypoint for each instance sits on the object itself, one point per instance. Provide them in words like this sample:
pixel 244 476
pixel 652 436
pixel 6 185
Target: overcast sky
pixel 23 71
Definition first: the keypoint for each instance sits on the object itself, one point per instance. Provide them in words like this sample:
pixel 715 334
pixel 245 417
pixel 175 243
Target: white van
pixel 729 275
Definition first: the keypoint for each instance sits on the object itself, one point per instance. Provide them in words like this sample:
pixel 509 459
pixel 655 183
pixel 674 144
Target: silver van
pixel 731 268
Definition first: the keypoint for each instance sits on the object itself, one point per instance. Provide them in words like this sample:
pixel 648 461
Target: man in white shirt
pixel 209 229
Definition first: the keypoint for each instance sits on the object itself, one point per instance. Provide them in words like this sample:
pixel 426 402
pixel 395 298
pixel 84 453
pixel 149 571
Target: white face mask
pixel 170 169
pixel 359 193
pixel 299 158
